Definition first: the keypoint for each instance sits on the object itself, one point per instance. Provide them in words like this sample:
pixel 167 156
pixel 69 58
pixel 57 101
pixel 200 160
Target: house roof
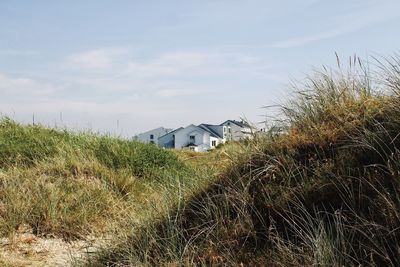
pixel 155 130
pixel 238 123
pixel 201 127
pixel 207 128
pixel 171 132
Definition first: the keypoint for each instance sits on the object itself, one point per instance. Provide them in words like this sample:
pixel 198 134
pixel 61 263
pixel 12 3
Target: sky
pixel 124 67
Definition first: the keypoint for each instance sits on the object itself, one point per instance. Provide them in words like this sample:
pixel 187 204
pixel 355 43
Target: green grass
pixel 323 191
pixel 26 146
pixel 74 184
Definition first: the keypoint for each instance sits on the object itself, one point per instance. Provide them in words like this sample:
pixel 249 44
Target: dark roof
pixel 238 123
pixel 207 128
pixel 171 132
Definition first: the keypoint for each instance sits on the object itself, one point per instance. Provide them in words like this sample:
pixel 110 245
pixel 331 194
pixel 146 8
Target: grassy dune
pixel 72 185
pixel 322 190
pixel 83 186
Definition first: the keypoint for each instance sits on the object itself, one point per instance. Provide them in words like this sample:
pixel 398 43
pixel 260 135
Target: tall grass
pixel 74 184
pixel 323 192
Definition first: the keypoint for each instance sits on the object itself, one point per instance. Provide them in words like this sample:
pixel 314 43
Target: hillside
pixel 322 190
pixel 62 189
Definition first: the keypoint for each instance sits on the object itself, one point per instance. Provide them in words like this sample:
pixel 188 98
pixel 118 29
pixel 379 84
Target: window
pixel 192 138
pixel 229 129
pixel 152 136
pixel 224 129
pixel 214 143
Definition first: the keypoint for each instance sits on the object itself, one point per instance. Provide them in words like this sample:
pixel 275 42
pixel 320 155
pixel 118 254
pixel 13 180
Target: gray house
pixel 236 130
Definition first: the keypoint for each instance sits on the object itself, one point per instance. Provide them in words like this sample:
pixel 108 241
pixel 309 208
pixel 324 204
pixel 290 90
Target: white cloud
pixel 96 59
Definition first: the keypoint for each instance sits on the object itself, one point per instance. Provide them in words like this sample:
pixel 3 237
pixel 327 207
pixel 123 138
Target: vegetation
pixel 323 190
pixel 321 187
pixel 71 185
pixel 83 186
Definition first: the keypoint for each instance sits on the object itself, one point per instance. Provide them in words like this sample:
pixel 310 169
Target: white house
pixel 198 138
pixel 152 136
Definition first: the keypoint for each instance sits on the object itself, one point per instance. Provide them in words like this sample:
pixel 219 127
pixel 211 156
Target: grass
pixel 74 184
pixel 320 188
pixel 324 190
pixel 82 185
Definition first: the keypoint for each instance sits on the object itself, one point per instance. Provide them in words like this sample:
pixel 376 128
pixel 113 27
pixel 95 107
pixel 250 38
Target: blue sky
pixel 127 66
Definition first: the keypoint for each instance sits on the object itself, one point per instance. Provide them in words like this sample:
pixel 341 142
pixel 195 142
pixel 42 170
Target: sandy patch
pixel 26 249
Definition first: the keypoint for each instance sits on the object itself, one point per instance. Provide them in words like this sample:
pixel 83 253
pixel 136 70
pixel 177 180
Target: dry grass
pixel 324 191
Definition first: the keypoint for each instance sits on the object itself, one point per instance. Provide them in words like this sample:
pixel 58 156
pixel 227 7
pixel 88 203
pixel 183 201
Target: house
pixel 152 136
pixel 199 138
pixel 236 130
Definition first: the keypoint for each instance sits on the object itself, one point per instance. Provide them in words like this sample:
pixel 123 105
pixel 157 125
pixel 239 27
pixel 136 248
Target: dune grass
pixel 323 190
pixel 75 184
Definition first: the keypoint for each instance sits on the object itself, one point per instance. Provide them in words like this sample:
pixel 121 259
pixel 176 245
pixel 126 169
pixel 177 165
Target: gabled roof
pixel 204 129
pixel 207 128
pixel 171 132
pixel 161 129
pixel 239 123
pixel 155 129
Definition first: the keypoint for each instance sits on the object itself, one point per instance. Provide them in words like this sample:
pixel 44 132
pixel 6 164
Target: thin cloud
pixel 177 92
pixel 96 59
pixel 345 24
pixel 24 87
pixel 172 64
pixel 118 81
